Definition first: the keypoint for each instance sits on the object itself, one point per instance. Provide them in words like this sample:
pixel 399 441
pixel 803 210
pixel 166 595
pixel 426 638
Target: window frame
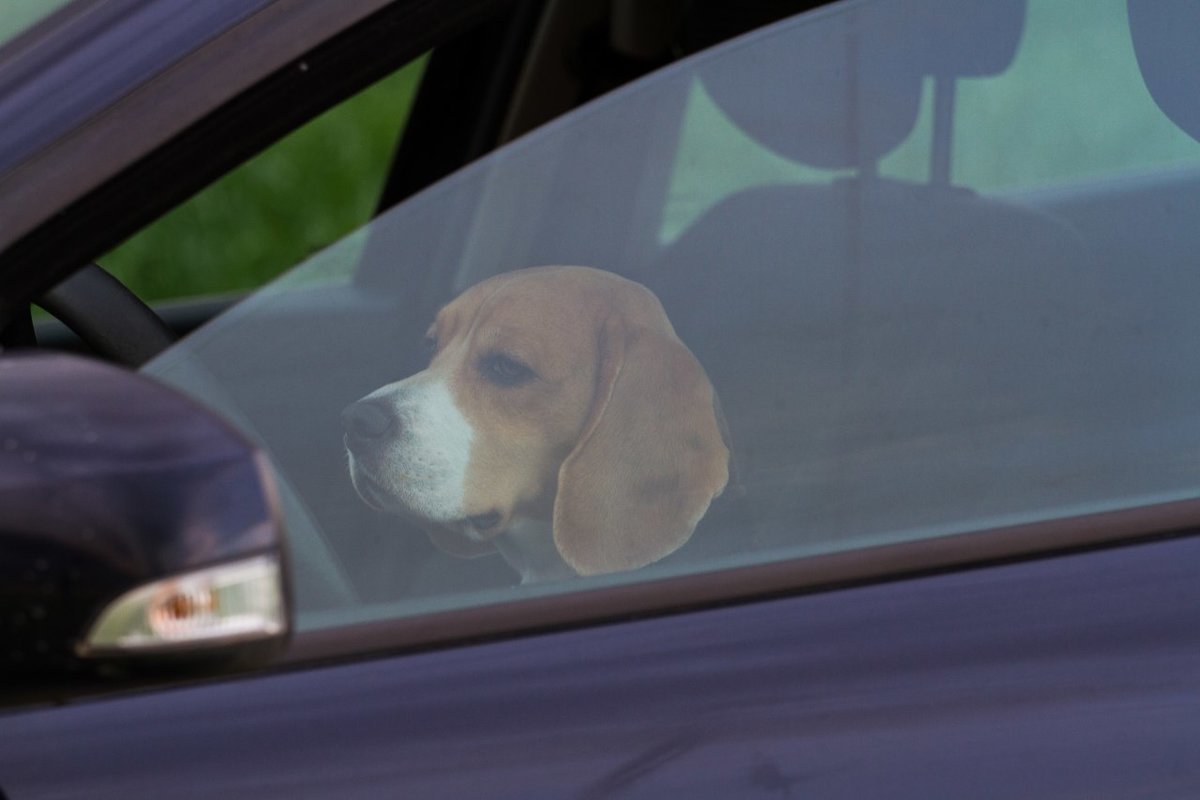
pixel 903 561
pixel 242 100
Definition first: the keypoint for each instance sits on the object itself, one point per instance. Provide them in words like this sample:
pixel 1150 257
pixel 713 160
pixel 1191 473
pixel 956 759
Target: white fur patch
pixel 423 468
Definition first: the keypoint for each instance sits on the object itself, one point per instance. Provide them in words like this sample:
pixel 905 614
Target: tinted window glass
pixel 934 258
pixel 22 14
pixel 291 200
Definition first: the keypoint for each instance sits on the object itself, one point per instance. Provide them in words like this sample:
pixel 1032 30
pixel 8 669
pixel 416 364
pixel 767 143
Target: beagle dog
pixel 560 422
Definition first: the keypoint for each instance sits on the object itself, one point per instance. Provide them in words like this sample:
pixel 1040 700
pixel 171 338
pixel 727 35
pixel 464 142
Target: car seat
pixel 886 352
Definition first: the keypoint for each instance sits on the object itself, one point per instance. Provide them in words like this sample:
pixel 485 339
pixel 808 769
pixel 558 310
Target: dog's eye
pixel 506 371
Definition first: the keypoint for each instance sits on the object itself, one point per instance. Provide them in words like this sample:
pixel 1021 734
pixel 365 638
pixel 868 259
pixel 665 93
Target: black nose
pixel 367 419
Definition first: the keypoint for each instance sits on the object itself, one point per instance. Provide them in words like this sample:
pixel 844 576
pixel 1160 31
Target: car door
pixel 954 553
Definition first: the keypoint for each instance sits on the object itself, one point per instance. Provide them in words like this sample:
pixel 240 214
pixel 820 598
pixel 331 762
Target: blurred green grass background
pixel 303 193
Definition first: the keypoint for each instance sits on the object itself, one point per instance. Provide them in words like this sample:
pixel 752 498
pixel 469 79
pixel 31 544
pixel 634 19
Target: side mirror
pixel 136 528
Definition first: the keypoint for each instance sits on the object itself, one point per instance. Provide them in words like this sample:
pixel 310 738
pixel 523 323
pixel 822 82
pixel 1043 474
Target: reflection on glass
pixel 896 354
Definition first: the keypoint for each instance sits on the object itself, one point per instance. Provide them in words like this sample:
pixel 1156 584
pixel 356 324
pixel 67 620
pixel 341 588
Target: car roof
pixel 97 84
pixel 237 75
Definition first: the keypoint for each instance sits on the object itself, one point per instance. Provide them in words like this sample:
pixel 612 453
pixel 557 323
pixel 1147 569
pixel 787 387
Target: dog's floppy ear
pixel 650 460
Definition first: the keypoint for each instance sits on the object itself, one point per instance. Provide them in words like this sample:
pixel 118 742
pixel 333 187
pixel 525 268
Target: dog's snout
pixel 369 420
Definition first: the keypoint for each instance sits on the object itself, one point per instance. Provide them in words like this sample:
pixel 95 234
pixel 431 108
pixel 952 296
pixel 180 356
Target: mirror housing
pixel 137 529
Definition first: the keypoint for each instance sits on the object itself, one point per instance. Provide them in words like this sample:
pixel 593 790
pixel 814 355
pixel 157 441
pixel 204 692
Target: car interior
pixel 873 392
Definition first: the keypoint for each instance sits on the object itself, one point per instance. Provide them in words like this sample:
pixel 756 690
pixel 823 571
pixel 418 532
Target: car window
pixel 927 271
pixel 1070 105
pixel 20 15
pixel 295 198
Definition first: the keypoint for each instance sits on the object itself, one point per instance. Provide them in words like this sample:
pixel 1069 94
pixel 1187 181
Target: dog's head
pixel 556 393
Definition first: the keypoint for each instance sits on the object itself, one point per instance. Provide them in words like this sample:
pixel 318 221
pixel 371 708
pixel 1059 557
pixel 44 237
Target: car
pixel 934 258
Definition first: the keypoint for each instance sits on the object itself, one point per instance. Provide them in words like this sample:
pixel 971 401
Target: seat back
pixel 870 337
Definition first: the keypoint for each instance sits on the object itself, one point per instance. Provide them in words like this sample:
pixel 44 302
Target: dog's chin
pixel 479 527
pixel 483 527
pixel 368 490
pixel 375 495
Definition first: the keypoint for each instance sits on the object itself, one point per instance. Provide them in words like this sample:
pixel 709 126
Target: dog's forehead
pixel 531 303
pixel 550 298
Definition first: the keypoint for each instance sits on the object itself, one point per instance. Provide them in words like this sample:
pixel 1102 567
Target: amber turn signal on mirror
pixel 235 602
pixel 135 526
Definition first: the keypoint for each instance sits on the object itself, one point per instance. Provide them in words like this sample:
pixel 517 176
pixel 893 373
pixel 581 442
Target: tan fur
pixel 616 439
